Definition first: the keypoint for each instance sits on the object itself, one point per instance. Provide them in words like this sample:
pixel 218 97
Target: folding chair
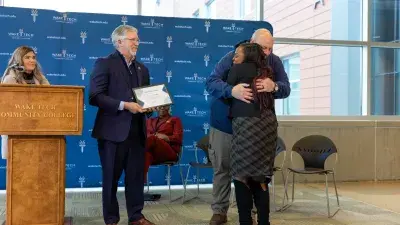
pixel 202 144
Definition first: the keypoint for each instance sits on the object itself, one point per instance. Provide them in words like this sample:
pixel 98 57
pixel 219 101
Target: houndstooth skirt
pixel 253 146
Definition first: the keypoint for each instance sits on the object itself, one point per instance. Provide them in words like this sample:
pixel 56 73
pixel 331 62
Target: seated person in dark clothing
pixel 254 135
pixel 164 138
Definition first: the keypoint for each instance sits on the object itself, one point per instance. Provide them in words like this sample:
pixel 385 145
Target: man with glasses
pixel 120 125
pixel 220 135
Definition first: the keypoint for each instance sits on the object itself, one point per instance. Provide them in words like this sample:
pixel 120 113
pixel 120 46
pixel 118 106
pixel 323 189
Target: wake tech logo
pixel 196 44
pixel 152 60
pixel 207 25
pixel 152 24
pixel 124 20
pixel 83 36
pixel 64 19
pixel 34 14
pixel 196 79
pixel 206 127
pixel 83 73
pixel 169 41
pixel 195 113
pixel 168 74
pixel 64 55
pixel 233 29
pixel 21 35
pixel 206 94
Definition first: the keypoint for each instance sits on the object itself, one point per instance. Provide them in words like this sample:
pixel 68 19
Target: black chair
pixel 314 150
pixel 280 148
pixel 170 164
pixel 202 144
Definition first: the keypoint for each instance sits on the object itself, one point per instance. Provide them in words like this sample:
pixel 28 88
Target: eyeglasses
pixel 133 39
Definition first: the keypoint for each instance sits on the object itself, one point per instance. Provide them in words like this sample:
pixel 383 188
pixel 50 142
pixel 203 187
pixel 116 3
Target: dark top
pixel 28 77
pixel 243 73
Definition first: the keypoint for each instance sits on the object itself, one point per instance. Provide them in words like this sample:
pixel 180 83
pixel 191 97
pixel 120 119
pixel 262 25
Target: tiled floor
pixel 309 208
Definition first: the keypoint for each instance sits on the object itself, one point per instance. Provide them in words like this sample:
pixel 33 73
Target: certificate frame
pixel 163 86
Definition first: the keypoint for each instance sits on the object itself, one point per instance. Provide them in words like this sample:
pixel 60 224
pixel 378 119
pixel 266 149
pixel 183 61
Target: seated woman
pixel 254 136
pixel 164 138
pixel 23 68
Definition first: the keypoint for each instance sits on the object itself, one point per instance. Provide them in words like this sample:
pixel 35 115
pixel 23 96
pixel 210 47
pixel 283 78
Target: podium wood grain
pixel 36 180
pixel 36 118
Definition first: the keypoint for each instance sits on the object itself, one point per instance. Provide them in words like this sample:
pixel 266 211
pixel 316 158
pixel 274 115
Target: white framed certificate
pixel 152 96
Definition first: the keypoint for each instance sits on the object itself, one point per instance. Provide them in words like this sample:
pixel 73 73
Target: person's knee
pixel 150 141
pixel 220 163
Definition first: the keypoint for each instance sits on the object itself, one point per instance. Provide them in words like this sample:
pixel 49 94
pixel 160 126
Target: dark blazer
pixel 109 85
pixel 243 73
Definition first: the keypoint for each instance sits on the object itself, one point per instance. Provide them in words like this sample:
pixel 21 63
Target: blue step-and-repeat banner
pixel 179 52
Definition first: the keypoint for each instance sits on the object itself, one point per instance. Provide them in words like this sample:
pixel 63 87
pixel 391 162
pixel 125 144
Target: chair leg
pixel 293 182
pixel 334 183
pixel 198 183
pixel 186 180
pixel 273 192
pixel 183 182
pixel 148 184
pixel 284 207
pixel 169 184
pixel 327 194
pixel 327 197
pixel 284 182
pixel 285 193
pixel 169 181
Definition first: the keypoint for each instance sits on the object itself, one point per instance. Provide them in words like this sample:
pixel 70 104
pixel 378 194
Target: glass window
pixel 211 9
pixel 246 9
pixel 337 20
pixel 129 7
pixel 385 83
pixel 158 8
pixel 325 80
pixel 385 20
pixel 217 9
pixel 291 105
pixel 196 14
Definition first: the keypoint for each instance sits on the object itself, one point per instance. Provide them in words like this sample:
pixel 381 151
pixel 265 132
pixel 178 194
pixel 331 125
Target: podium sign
pixel 35 110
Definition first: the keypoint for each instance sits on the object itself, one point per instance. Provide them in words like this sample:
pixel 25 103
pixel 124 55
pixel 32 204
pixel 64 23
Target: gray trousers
pixel 219 151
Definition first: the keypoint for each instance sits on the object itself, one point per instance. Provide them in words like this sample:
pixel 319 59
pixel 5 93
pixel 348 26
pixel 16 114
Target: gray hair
pixel 120 33
pixel 260 32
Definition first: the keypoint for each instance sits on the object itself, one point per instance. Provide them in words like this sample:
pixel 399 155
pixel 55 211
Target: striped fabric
pixel 253 146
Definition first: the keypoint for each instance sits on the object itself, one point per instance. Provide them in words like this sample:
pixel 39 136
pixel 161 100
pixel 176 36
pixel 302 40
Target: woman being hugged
pixel 22 68
pixel 254 137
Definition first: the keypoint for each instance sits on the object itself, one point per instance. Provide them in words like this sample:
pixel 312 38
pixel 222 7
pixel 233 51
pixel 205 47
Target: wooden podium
pixel 37 118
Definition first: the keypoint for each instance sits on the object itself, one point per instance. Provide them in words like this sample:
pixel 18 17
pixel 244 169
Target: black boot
pixel 244 200
pixel 261 200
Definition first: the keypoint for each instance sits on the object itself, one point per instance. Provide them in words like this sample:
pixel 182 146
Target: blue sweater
pixel 220 91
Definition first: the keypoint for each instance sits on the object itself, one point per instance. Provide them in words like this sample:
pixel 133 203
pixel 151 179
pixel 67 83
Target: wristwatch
pixel 276 88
